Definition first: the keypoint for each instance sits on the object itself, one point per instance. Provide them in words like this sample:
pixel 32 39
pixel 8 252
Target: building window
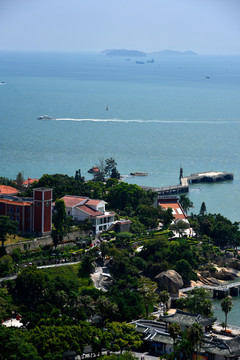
pixel 47 203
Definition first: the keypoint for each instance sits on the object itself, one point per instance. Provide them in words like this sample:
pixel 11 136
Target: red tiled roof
pixel 29 181
pixel 88 210
pixel 8 190
pixel 178 212
pixel 15 202
pixel 71 201
pixel 93 202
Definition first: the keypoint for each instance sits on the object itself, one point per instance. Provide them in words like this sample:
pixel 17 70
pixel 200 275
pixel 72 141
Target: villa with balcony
pixel 81 208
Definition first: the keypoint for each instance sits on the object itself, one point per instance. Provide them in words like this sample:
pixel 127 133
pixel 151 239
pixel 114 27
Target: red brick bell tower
pixel 42 213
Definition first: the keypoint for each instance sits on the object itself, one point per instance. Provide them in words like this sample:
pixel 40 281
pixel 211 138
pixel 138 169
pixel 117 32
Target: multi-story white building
pixel 81 208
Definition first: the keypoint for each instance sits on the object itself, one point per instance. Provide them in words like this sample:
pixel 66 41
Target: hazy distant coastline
pixel 136 53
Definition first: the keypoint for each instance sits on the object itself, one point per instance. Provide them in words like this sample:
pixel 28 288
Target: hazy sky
pixel 204 26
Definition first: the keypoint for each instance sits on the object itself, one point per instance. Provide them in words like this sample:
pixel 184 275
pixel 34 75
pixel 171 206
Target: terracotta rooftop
pixel 71 201
pixel 88 210
pixel 177 210
pixel 93 202
pixel 29 181
pixel 15 202
pixel 8 190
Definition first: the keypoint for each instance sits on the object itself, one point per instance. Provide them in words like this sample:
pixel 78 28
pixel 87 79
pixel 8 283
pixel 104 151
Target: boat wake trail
pixel 116 120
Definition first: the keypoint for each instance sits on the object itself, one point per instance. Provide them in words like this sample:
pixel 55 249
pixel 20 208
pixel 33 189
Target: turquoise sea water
pixel 160 116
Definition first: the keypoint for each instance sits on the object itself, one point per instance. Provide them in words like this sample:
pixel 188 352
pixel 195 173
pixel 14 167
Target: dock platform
pixel 183 187
pixel 219 291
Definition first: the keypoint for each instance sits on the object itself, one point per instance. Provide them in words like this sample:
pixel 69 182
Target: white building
pixel 81 208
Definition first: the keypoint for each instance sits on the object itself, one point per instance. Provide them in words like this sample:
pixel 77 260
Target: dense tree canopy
pixel 60 221
pixel 7 226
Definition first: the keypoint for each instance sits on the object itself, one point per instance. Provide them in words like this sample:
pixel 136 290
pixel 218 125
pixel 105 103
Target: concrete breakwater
pixel 185 181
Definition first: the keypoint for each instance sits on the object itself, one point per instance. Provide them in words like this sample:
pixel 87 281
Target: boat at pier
pixel 136 173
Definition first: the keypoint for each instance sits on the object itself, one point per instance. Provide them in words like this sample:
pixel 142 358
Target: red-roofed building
pixel 81 208
pixel 8 190
pixel 29 182
pixel 34 215
pixel 172 202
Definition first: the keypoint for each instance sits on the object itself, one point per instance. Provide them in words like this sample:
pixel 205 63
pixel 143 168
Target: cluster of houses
pixel 34 215
pixel 215 346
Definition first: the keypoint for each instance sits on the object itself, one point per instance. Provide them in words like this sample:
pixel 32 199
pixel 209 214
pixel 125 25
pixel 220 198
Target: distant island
pixel 124 52
pixel 136 53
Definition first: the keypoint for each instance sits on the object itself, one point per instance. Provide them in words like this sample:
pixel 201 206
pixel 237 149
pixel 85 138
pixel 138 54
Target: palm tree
pixel 226 306
pixel 164 298
pixel 174 330
pixel 185 202
pixel 195 337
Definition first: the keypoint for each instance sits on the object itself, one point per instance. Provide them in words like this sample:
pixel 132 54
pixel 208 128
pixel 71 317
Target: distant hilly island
pixel 136 53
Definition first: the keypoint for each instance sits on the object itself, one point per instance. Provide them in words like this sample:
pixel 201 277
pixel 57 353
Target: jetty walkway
pixel 183 187
pixel 220 291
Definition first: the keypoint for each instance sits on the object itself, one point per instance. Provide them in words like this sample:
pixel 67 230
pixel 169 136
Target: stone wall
pixel 41 241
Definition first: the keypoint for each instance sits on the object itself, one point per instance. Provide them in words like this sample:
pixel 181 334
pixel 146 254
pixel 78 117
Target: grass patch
pixel 15 239
pixel 68 272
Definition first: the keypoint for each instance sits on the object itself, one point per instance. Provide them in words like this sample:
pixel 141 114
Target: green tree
pixel 52 341
pixel 179 226
pixel 86 266
pixel 19 181
pixel 174 331
pixel 185 202
pixel 137 227
pixel 99 341
pixel 203 209
pixel 7 227
pixel 195 336
pixel 78 175
pixel 166 216
pixel 31 286
pixel 14 346
pixel 60 221
pixel 147 289
pixel 226 306
pixel 191 339
pixel 122 336
pixel 197 302
pixel 6 304
pixel 106 309
pixel 185 270
pixel 6 265
pixel 110 166
pixel 164 298
pixel 125 195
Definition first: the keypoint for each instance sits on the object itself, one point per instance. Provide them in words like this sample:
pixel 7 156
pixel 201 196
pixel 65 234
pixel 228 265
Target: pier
pixel 218 292
pixel 185 181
